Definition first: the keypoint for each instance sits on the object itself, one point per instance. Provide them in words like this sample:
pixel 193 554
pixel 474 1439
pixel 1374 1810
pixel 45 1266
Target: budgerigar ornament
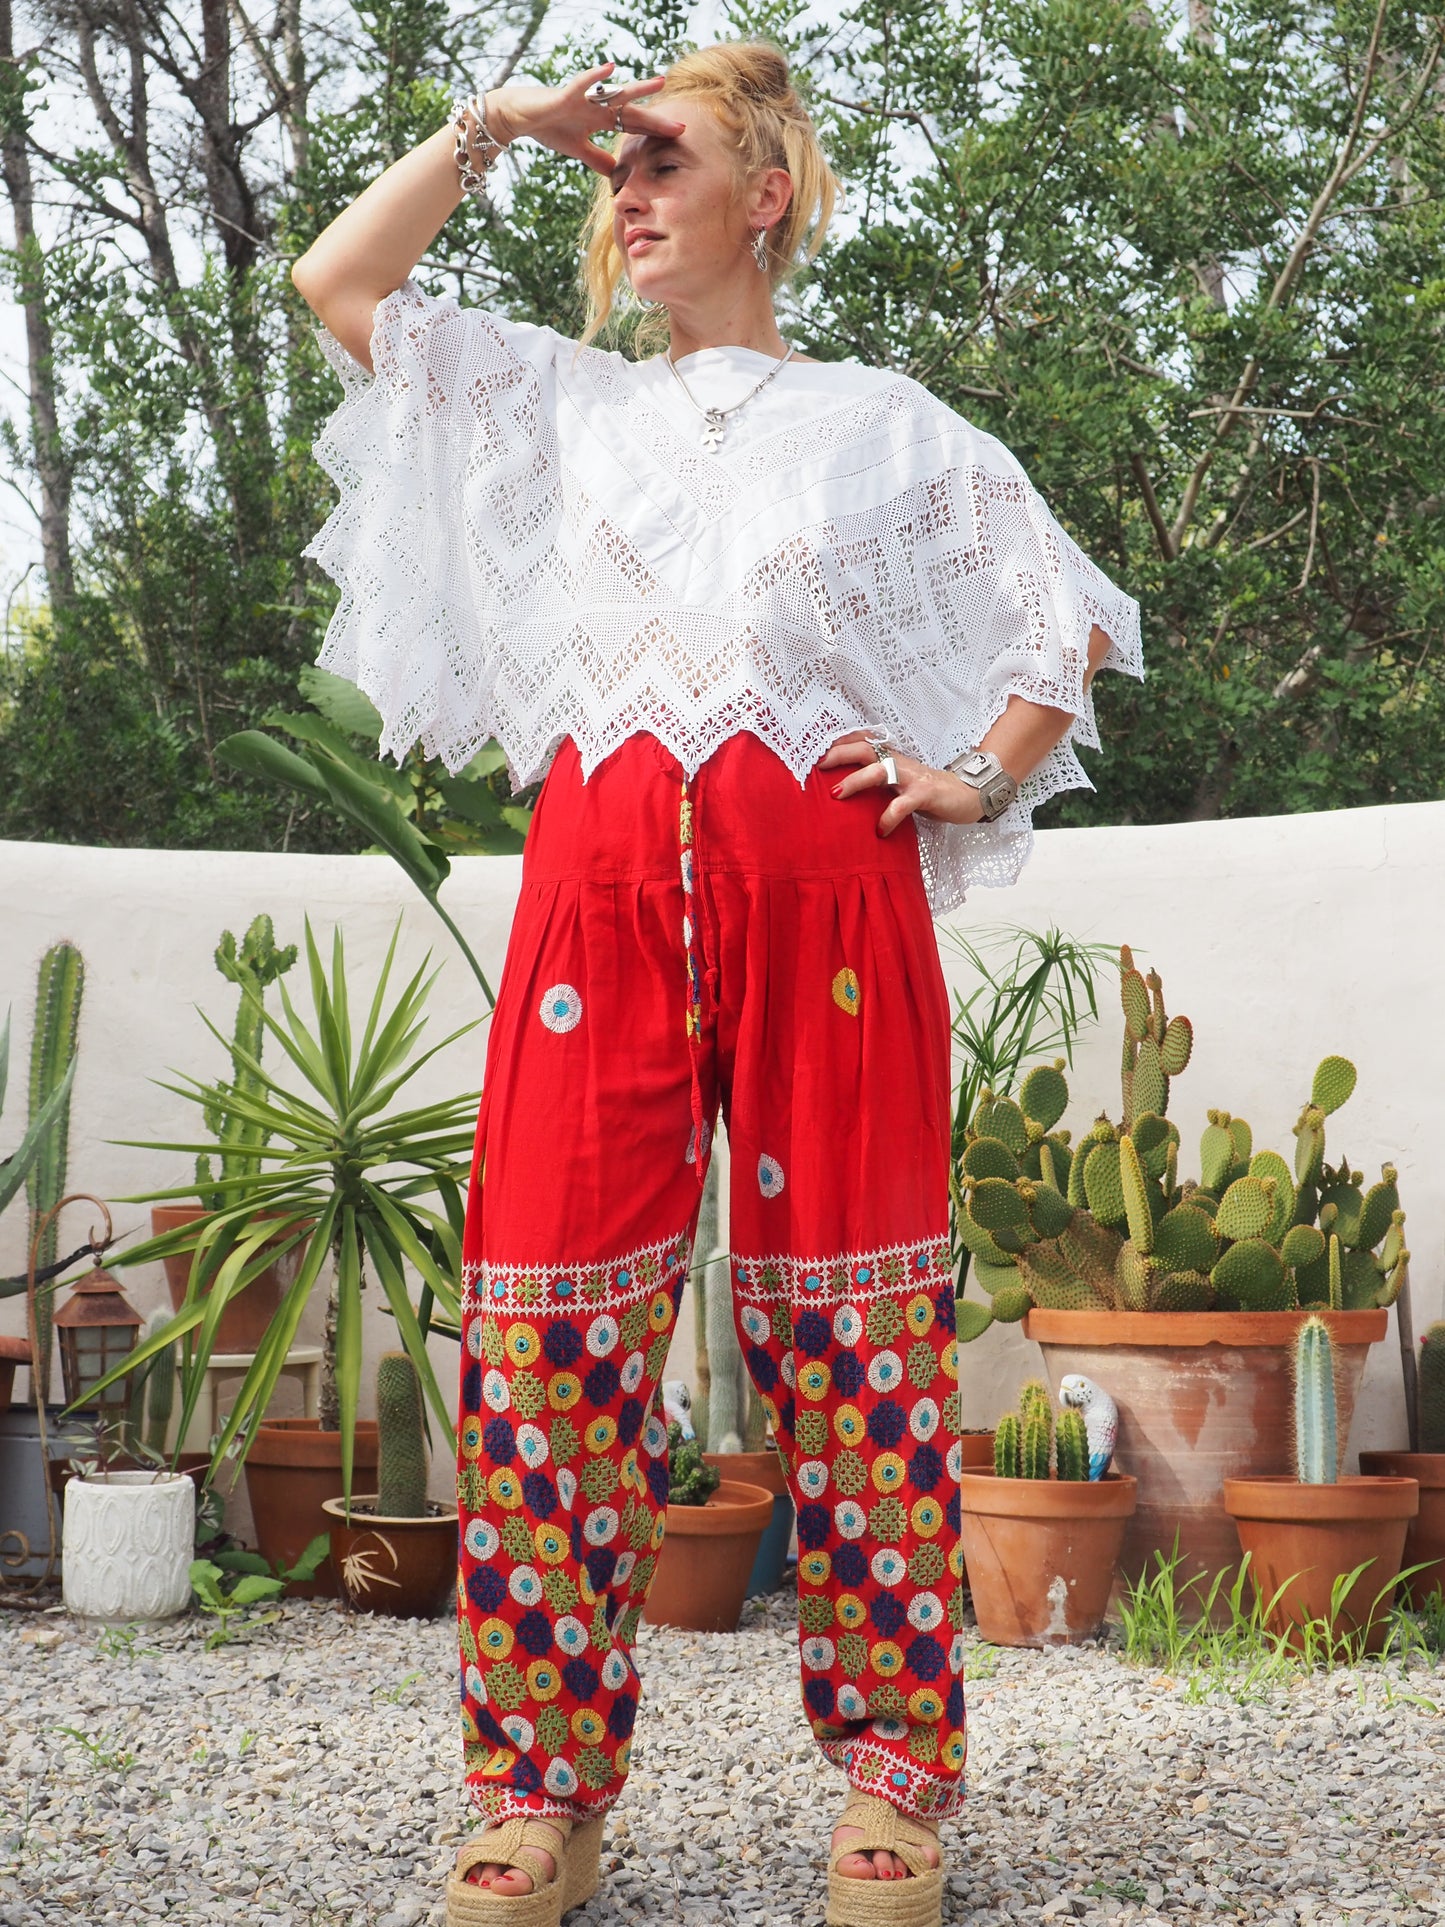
pixel 1101 1419
pixel 677 1404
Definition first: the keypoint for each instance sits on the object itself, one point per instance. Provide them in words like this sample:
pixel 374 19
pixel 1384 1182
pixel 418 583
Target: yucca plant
pixel 340 1171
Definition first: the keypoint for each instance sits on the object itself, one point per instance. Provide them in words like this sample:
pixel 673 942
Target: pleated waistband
pixel 751 816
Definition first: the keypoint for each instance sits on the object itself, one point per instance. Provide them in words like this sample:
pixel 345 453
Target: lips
pixel 639 235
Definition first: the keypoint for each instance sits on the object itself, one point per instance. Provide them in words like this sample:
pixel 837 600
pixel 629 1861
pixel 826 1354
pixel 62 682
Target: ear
pixel 771 197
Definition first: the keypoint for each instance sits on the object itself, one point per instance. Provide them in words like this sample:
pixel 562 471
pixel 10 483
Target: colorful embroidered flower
pixel 814 1380
pixel 470 1437
pixel 567 1486
pixel 813 1569
pixel 770 1176
pixel 889 1567
pixel 615 1672
pixel 754 1322
pixel 851 1703
pixel 886 1658
pixel 519 1731
pixel 494 1638
pixel 925 1612
pixel 926 1518
pixel 505 1488
pixel 532 1446
pixel 848 1325
pixel 885 1372
pixel 623 1571
pixel 602 1336
pixel 474 1338
pixel 524 1347
pixel 923 1419
pixel 654 1437
pixel 788 1370
pixel 926 1705
pixel 525 1586
pixel 659 1312
pixel 818 1654
pixel 850 1520
pixel 560 1780
pixel 846 994
pixel 587 1725
pixel 812 1477
pixel 481 1540
pixel 889 1472
pixel 473 1686
pixel 544 1681
pixel 563 1391
pixel 632 1369
pixel 954 1460
pixel 561 1008
pixel 848 1424
pixel 954 1748
pixel 571 1635
pixel 600 1434
pixel 552 1545
pixel 949 1359
pixel 918 1314
pixel 599 1528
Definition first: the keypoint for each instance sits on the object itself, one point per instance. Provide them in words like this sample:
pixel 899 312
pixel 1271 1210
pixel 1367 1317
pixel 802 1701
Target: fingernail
pixel 837 789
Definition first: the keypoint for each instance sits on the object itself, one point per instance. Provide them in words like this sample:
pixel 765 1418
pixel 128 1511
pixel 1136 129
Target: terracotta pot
pixel 707 1556
pixel 292 1469
pixel 1425 1536
pixel 245 1320
pixel 764 1469
pixel 406 1568
pixel 977 1456
pixel 1203 1396
pixel 1042 1554
pixel 13 1352
pixel 1305 1537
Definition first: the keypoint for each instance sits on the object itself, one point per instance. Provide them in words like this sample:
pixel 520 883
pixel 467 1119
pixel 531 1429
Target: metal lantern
pixel 97 1328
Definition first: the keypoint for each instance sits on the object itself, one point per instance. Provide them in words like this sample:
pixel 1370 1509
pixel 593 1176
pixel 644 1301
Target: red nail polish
pixel 837 789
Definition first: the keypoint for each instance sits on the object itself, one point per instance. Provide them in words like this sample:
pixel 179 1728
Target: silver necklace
pixel 715 419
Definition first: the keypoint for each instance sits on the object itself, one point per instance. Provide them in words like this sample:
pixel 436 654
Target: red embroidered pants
pixel 744 940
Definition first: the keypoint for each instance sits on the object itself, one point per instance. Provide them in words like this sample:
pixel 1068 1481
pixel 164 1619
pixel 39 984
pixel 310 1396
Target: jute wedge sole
pixel 516 1844
pixel 914 1902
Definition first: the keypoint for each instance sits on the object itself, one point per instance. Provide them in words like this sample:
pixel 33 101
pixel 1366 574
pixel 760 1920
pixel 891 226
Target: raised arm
pixel 373 245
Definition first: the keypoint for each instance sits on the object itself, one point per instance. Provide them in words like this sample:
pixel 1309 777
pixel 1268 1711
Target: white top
pixel 532 543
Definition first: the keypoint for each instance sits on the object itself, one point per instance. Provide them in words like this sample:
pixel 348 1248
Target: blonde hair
pixel 748 86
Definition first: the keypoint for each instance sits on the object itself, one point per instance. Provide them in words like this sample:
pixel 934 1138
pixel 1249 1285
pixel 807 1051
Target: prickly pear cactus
pixel 1109 1224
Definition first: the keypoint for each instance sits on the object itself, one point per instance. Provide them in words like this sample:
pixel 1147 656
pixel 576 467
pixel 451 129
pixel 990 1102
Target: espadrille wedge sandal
pixel 915 1902
pixel 575 1846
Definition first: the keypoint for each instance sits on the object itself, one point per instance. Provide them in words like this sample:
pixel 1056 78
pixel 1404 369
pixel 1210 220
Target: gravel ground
pixel 308 1773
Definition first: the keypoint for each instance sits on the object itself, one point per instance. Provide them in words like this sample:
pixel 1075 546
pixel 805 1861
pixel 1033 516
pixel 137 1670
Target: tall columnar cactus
pixel 1109 1225
pixel 400 1439
pixel 1430 1389
pixel 252 966
pixel 60 986
pixel 153 1391
pixel 1316 1435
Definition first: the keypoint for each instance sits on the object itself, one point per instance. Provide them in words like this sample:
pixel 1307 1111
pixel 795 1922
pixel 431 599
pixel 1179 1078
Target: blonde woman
pixel 798 650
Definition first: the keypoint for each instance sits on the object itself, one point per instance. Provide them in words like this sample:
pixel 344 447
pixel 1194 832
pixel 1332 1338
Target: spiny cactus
pixel 1071 1445
pixel 152 1393
pixel 59 988
pixel 251 966
pixel 1430 1389
pixel 401 1457
pixel 1006 1436
pixel 1316 1437
pixel 1109 1225
pixel 690 1479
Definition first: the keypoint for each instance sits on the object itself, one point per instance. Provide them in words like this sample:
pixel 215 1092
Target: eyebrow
pixel 651 144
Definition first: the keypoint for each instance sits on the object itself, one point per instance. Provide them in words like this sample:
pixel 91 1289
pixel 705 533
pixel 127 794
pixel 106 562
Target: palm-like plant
pixel 341 1173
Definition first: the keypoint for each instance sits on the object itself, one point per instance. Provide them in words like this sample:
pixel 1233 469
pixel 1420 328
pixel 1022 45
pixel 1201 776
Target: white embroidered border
pixel 569 1288
pixel 945 1793
pixel 835 1280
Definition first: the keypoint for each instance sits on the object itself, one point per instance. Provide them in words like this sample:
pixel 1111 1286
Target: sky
pixel 19 531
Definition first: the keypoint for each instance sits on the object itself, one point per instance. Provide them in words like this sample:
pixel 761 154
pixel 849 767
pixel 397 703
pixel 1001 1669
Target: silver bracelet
pixel 473 181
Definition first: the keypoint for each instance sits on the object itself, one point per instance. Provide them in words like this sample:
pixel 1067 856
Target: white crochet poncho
pixel 531 543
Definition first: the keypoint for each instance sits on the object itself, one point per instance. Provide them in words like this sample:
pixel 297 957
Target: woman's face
pixel 675 220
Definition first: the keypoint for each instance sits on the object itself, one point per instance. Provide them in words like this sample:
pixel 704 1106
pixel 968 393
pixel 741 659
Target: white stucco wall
pixel 1282 938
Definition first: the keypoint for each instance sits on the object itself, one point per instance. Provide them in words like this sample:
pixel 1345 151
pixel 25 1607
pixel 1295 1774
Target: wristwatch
pixel 996 788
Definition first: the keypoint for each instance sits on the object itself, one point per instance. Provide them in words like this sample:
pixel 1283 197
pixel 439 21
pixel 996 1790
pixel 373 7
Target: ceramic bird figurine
pixel 1101 1419
pixel 677 1404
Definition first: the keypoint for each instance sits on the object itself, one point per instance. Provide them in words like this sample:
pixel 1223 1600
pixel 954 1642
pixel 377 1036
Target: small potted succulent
pixel 713 1529
pixel 1041 1536
pixel 1425 1540
pixel 395 1550
pixel 1305 1532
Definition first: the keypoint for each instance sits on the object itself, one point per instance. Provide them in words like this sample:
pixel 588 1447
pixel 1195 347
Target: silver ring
pixel 603 97
pixel 890 769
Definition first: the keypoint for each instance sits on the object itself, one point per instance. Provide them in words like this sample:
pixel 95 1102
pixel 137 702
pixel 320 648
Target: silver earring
pixel 760 249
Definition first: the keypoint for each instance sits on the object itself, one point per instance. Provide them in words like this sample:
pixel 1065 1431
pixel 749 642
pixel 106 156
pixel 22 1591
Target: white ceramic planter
pixel 128 1542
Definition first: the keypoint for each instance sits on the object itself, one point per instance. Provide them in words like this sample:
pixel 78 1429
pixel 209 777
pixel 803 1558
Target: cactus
pixel 60 986
pixel 1430 1389
pixel 401 1459
pixel 690 1479
pixel 1316 1442
pixel 1071 1446
pixel 1110 1225
pixel 251 966
pixel 152 1394
pixel 1006 1446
